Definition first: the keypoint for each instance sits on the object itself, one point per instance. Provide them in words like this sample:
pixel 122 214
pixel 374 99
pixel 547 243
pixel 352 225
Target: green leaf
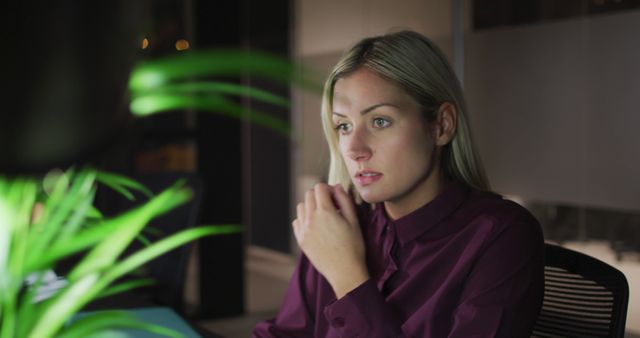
pixel 217 88
pixel 18 248
pixel 147 254
pixel 154 103
pixel 56 310
pixel 155 73
pixel 71 300
pixel 77 219
pixel 93 212
pixel 86 238
pixel 27 307
pixel 182 81
pixel 16 203
pixel 144 240
pixel 62 202
pixel 122 184
pixel 129 225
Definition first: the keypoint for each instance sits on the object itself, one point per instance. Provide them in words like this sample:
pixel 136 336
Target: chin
pixel 371 197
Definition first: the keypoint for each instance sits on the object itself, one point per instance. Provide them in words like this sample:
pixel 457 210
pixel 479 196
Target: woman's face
pixel 387 147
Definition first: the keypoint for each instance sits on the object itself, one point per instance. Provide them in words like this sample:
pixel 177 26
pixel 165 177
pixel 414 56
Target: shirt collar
pixel 421 220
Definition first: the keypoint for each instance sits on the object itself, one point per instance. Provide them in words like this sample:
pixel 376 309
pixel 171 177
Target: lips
pixel 366 177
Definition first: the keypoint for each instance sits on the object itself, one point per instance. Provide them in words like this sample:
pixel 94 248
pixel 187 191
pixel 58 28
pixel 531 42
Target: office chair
pixel 583 297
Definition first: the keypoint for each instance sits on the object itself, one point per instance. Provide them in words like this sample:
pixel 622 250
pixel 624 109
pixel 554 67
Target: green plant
pixel 70 224
pixel 184 81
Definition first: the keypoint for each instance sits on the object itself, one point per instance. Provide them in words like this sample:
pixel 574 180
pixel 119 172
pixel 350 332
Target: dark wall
pixel 219 141
pixel 245 168
pixel 268 28
pixel 496 13
pixel 263 26
pixel 65 66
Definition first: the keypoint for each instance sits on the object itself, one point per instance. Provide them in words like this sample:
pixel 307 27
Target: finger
pixel 300 211
pixel 347 208
pixel 309 203
pixel 323 196
pixel 296 230
pixel 333 196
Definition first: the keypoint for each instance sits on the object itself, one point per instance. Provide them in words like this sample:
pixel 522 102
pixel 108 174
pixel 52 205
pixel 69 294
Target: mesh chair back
pixel 583 297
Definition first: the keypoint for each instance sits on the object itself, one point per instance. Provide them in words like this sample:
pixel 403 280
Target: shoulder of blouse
pixel 501 211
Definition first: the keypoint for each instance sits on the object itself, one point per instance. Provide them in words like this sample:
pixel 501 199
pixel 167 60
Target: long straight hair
pixel 421 69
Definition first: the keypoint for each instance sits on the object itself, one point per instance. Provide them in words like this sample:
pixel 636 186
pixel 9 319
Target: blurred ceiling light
pixel 182 44
pixel 145 43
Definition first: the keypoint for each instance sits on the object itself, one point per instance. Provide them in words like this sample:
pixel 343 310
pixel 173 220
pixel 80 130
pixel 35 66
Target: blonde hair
pixel 417 65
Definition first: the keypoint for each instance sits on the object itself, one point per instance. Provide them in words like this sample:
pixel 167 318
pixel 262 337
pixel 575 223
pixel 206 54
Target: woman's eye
pixel 343 128
pixel 381 123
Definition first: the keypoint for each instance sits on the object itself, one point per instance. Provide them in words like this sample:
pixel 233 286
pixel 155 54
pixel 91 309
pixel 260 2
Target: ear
pixel 446 123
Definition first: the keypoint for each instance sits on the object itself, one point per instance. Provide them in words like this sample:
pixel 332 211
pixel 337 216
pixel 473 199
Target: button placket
pixel 388 246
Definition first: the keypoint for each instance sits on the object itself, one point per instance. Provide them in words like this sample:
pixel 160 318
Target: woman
pixel 429 252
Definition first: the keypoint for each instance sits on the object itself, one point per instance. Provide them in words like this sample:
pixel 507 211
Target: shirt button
pixel 337 322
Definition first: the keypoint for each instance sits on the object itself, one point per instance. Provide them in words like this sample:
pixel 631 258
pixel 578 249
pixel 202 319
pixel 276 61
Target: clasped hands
pixel 328 232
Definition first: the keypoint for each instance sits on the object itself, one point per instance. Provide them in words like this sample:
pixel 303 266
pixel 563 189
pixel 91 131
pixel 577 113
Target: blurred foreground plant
pixel 69 224
pixel 184 81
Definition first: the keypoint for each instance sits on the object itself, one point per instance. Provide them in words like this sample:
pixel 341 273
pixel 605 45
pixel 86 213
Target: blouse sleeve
pixel 295 318
pixel 363 312
pixel 503 293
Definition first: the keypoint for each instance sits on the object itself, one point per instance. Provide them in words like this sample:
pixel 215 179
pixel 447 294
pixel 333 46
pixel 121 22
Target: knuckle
pixel 320 186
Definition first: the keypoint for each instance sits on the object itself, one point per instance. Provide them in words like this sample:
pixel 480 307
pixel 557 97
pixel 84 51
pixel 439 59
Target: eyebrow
pixel 369 109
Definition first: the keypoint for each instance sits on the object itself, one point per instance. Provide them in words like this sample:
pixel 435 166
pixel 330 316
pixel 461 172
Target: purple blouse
pixel 467 264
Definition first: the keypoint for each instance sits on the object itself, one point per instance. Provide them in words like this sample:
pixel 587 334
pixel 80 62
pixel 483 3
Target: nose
pixel 358 147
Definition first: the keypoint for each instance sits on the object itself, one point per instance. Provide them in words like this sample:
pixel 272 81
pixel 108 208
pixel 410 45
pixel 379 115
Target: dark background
pixel 87 51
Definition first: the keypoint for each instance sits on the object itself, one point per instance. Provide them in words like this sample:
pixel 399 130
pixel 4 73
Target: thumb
pixel 345 203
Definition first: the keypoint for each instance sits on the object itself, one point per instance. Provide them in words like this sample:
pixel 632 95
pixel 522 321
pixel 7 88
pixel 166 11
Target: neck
pixel 421 194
